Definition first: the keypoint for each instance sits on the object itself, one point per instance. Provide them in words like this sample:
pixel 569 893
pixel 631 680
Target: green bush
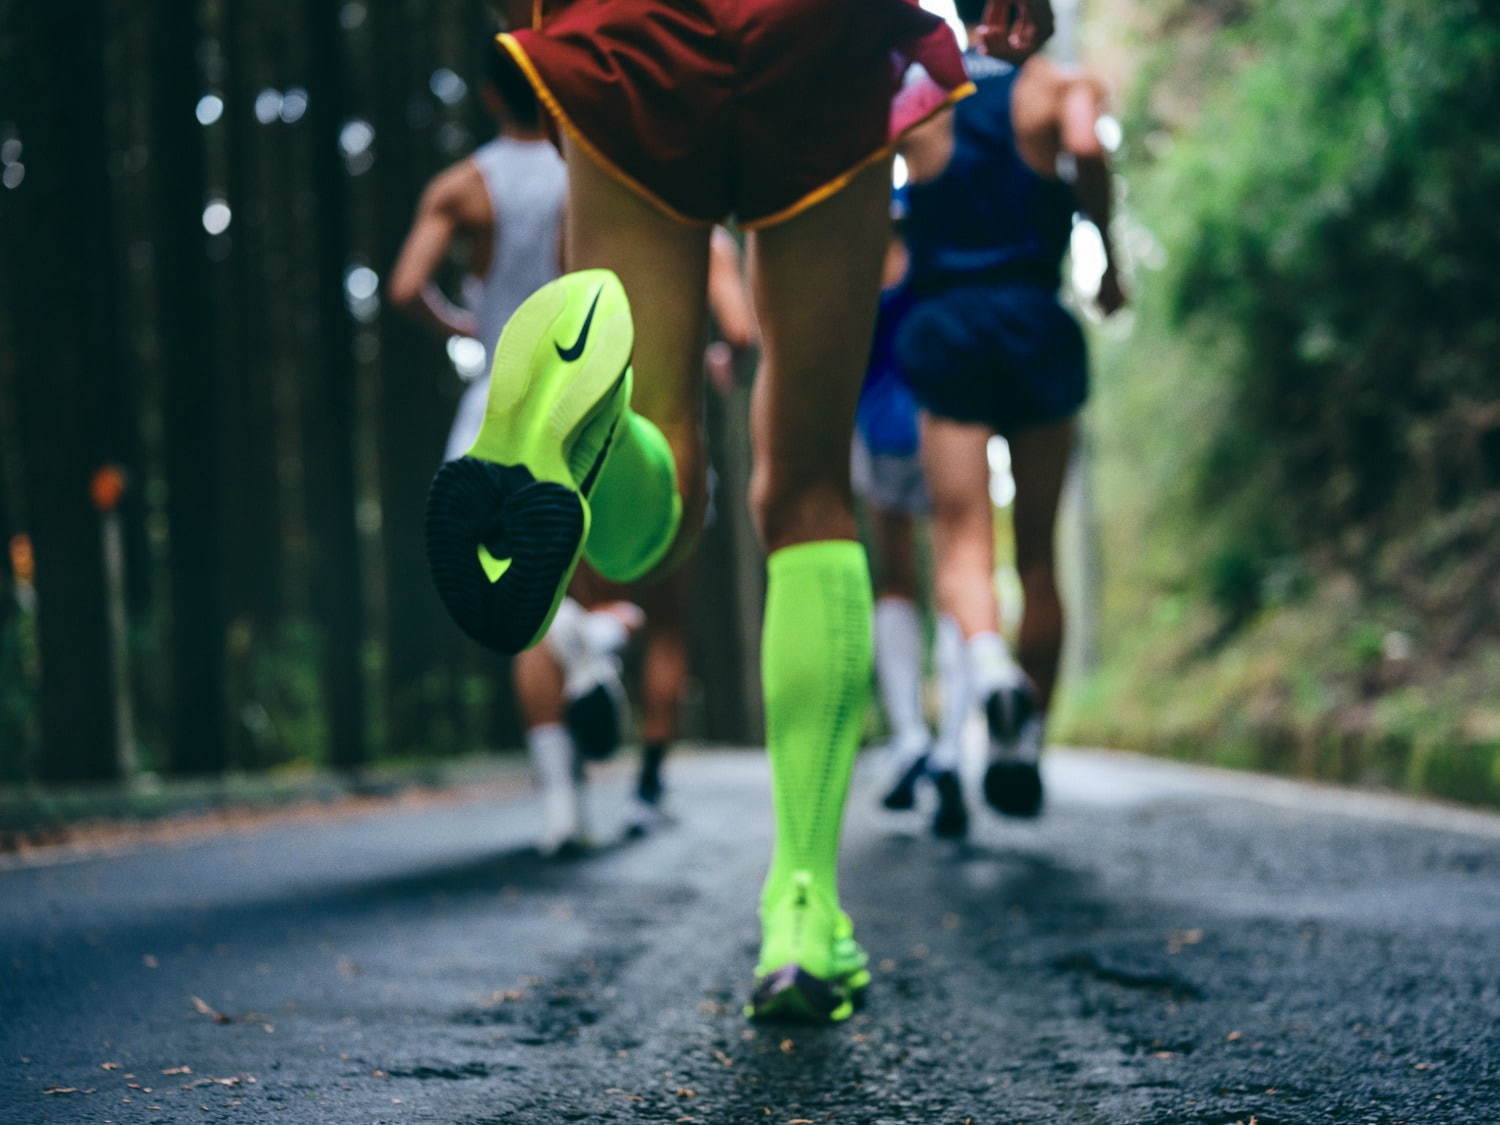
pixel 1333 212
pixel 1299 438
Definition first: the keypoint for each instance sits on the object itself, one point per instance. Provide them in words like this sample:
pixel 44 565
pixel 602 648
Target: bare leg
pixel 538 679
pixel 1039 459
pixel 893 533
pixel 664 678
pixel 664 268
pixel 956 461
pixel 815 280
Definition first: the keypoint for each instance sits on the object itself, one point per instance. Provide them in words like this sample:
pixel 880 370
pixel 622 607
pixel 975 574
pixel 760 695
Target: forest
pixel 215 441
pixel 201 202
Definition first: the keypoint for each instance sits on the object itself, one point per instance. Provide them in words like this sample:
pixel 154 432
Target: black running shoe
pixel 902 796
pixel 593 719
pixel 1013 778
pixel 951 821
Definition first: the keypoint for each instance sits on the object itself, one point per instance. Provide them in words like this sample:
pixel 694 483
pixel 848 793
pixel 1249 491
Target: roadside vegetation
pixel 1299 439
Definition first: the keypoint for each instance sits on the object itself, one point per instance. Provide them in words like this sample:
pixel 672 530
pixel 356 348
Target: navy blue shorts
pixel 1008 356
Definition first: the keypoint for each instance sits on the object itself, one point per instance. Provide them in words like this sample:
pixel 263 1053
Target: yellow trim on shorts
pixel 834 186
pixel 554 107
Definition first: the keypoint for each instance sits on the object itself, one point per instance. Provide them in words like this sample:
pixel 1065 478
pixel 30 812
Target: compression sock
pixel 898 669
pixel 815 664
pixel 635 504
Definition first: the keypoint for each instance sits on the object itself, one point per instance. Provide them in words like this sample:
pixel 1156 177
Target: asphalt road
pixel 1166 945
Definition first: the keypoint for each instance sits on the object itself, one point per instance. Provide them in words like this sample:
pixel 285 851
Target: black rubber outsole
pixel 1014 788
pixel 793 995
pixel 538 525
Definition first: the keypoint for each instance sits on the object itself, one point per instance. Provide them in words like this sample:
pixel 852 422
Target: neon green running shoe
pixel 811 970
pixel 506 523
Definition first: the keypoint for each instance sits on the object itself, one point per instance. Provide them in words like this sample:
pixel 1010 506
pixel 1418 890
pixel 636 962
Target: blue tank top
pixel 988 218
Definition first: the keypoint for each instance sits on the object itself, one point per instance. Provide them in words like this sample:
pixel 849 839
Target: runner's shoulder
pixel 458 192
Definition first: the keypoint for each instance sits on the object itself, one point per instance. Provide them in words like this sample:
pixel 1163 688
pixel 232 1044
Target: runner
pixel 673 114
pixel 886 471
pixel 503 205
pixel 989 349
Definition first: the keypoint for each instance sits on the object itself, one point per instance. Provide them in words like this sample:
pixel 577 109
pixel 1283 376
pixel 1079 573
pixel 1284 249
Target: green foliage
pixel 1332 210
pixel 1299 438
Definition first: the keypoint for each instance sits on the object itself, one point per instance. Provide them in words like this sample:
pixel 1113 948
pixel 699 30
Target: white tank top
pixel 527 183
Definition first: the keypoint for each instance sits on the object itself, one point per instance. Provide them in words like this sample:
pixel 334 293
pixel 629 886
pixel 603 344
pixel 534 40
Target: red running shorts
pixel 752 108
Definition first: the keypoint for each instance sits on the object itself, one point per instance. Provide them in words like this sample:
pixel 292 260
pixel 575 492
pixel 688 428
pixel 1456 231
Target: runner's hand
pixel 1016 25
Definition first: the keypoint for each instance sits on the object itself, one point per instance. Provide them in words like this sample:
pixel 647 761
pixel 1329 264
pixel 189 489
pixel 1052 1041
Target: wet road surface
pixel 1166 945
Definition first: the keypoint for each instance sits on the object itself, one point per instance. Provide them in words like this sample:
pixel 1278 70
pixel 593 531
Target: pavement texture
pixel 1164 945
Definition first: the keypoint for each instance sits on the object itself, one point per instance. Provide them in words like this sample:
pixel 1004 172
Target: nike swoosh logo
pixel 568 355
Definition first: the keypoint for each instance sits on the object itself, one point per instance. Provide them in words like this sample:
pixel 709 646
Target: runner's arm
pixel 729 302
pixel 1021 25
pixel 411 287
pixel 728 299
pixel 1082 106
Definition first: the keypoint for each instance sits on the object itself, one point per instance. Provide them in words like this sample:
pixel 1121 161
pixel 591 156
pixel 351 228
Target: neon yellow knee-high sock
pixel 635 505
pixel 816 664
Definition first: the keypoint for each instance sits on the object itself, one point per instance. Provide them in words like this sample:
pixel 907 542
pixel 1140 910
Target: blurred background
pixel 1283 535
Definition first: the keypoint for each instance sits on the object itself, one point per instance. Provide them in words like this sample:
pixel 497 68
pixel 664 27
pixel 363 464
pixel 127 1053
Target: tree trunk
pixel 61 264
pixel 329 401
pixel 253 569
pixel 412 416
pixel 191 388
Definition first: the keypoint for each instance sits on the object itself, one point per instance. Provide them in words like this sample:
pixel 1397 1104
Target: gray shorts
pixel 888 482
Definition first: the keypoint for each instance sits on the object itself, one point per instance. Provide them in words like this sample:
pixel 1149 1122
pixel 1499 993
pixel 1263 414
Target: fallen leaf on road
pixel 109 1066
pixel 724 1060
pixel 1422 1066
pixel 203 1008
pixel 787 1046
pixel 1234 1036
pixel 150 962
pixel 233 1080
pixel 178 1070
pixel 61 1090
pixel 1163 1054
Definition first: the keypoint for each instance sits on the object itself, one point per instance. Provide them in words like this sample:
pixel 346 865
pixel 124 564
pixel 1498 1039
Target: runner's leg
pixel 648 504
pixel 898 652
pixel 815 279
pixel 1039 462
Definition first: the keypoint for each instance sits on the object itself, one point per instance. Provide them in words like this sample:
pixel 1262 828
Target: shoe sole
pixel 793 995
pixel 506 523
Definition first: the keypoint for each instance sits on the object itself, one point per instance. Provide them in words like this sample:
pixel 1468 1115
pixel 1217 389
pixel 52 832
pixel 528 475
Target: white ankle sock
pixel 554 762
pixel 952 659
pixel 991 664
